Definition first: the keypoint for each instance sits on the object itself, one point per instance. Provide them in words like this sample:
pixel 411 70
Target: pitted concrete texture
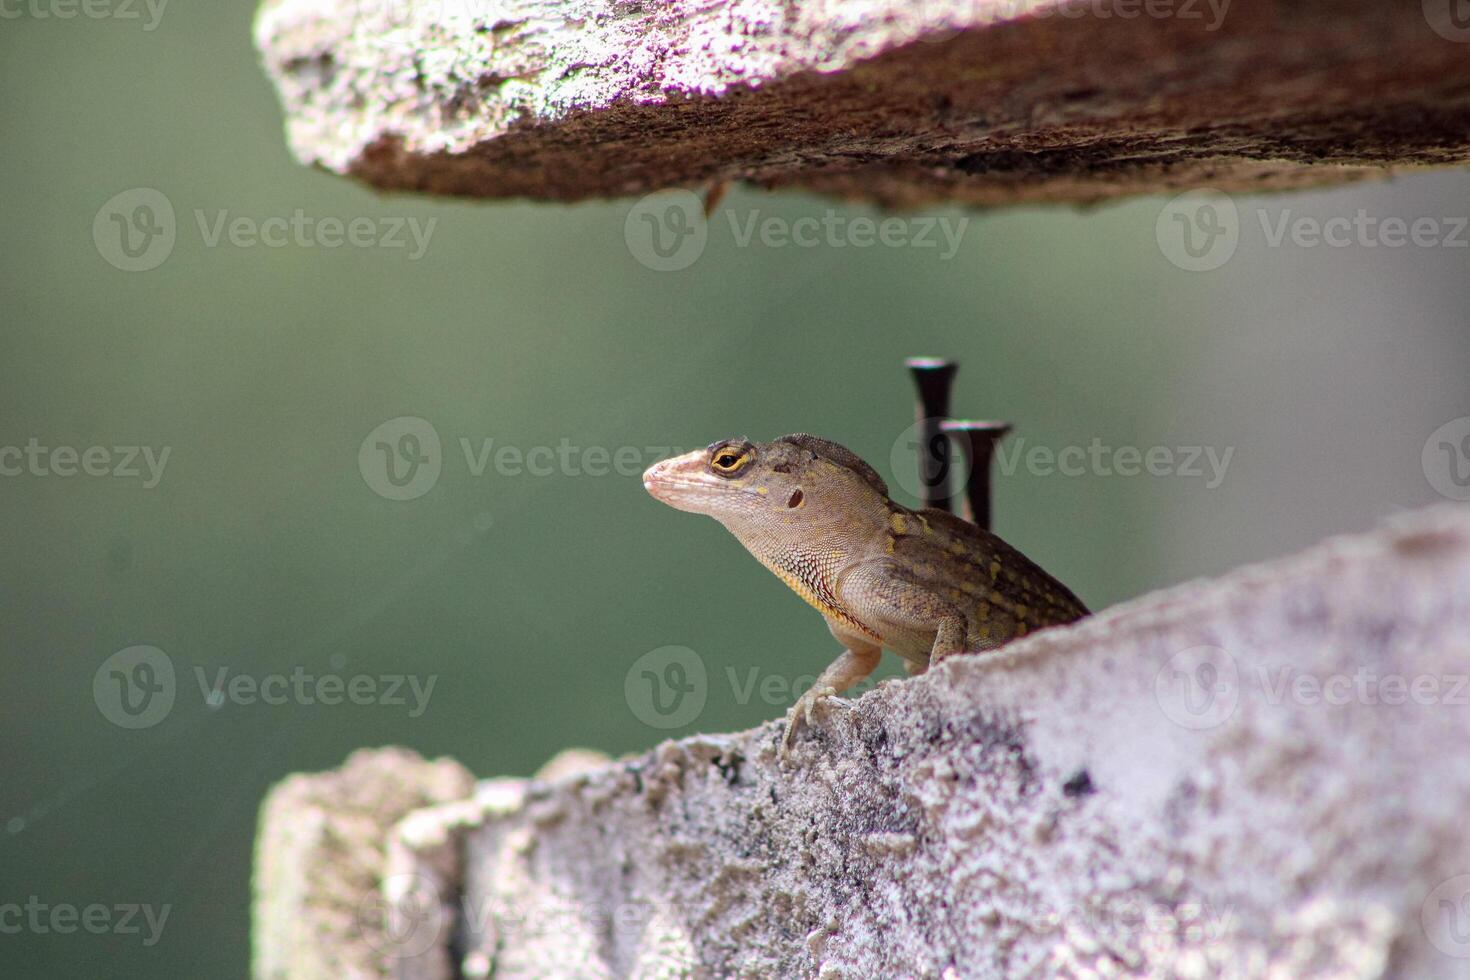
pixel 902 102
pixel 1259 776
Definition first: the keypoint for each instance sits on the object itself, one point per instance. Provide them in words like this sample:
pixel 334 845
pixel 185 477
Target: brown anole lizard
pixel 924 584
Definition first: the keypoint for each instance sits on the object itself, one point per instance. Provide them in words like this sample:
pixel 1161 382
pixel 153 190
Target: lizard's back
pixel 1002 593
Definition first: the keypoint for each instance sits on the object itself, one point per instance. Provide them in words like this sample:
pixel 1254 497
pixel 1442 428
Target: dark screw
pixel 933 377
pixel 978 439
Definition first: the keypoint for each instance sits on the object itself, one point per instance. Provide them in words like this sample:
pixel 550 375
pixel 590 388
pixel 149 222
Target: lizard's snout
pixel 653 476
pixel 677 482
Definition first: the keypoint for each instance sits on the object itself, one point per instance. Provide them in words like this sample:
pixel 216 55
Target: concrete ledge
pixel 1258 776
pixel 977 101
pixel 319 860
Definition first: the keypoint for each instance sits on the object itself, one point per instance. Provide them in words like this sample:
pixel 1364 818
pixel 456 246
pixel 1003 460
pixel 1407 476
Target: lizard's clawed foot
pixel 801 712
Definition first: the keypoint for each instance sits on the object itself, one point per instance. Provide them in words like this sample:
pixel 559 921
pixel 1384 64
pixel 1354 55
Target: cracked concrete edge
pixel 352 865
pixel 319 860
pixel 975 101
pixel 1150 792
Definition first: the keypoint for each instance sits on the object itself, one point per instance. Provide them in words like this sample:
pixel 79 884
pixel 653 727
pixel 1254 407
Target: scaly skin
pixel 925 584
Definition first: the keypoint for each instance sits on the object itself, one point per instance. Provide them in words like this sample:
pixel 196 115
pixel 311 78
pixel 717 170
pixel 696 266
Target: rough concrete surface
pixel 319 861
pixel 1260 776
pixel 899 101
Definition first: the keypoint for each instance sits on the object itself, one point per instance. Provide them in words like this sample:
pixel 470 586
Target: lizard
pixel 924 584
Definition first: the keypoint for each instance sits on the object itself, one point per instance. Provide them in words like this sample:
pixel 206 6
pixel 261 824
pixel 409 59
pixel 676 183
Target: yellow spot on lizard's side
pixel 899 525
pixel 762 491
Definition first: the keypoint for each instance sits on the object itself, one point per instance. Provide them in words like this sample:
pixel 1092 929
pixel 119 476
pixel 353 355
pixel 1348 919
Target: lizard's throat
pixel 810 573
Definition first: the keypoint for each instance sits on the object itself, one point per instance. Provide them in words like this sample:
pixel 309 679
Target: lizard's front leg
pixel 891 604
pixel 857 662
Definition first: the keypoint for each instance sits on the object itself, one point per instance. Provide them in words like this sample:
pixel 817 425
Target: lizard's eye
pixel 728 460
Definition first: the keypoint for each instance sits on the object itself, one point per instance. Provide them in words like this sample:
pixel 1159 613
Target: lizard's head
pixel 796 483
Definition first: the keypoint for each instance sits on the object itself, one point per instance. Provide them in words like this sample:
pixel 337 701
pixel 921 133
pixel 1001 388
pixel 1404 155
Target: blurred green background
pixel 264 547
